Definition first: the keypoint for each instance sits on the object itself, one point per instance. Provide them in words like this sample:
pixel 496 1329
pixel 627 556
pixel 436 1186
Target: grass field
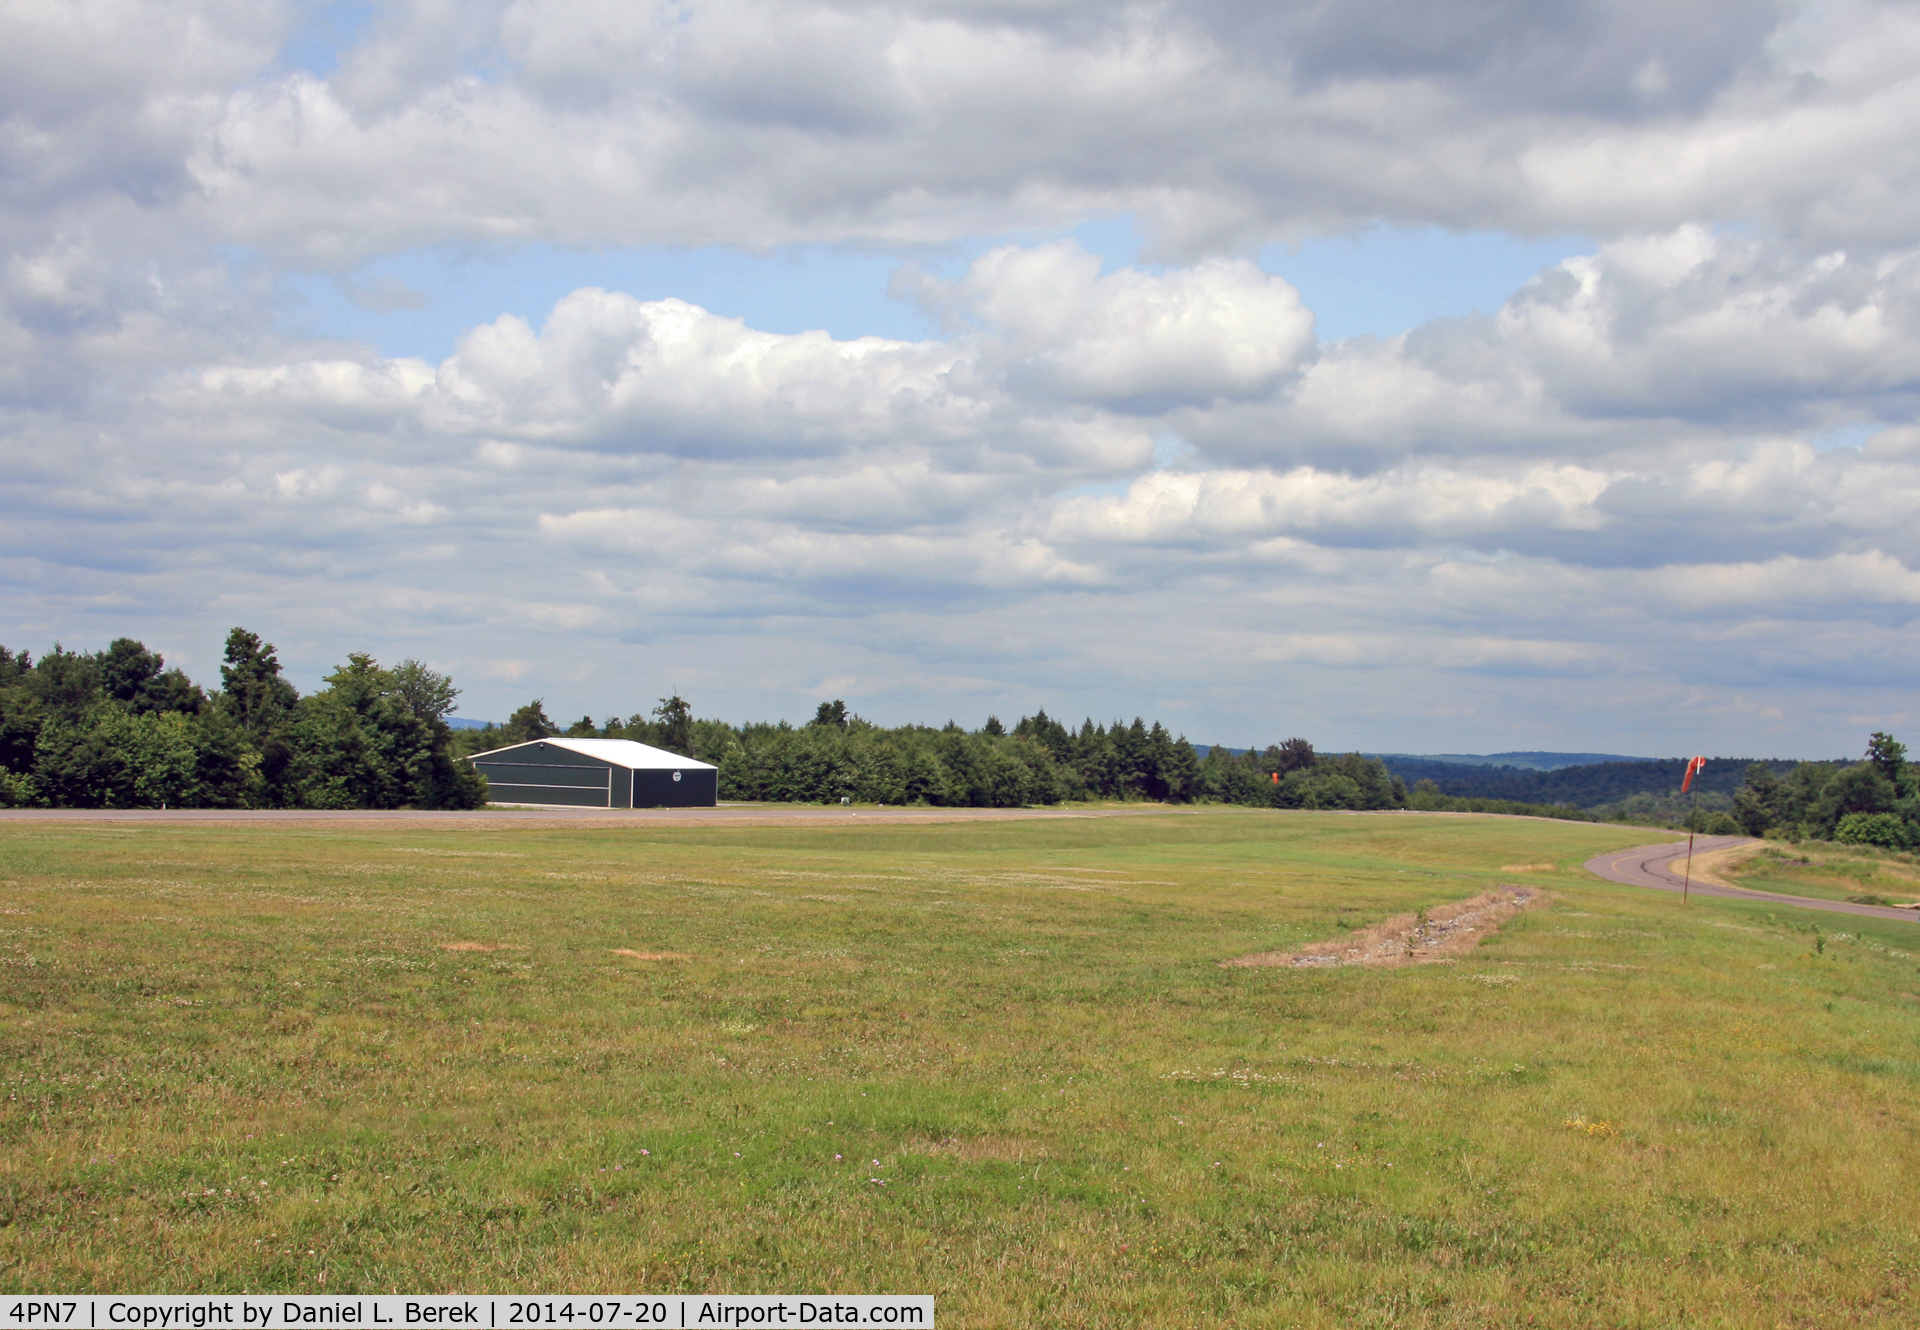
pixel 998 1062
pixel 1830 872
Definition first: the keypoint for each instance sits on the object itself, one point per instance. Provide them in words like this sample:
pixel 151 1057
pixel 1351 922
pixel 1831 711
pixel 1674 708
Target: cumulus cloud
pixel 663 470
pixel 1652 340
pixel 1056 377
pixel 1221 329
pixel 759 122
pixel 1689 455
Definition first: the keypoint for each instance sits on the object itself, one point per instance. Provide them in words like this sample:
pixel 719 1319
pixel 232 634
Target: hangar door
pixel 544 774
pixel 694 786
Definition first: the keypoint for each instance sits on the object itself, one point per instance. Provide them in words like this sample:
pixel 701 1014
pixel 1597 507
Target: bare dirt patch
pixel 1443 933
pixel 633 955
pixel 1528 868
pixel 480 946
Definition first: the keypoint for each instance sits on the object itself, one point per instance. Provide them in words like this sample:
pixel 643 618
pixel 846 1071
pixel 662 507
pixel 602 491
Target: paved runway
pixel 1660 867
pixel 1655 866
pixel 732 815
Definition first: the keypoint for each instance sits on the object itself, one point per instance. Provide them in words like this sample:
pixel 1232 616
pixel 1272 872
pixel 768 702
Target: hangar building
pixel 597 773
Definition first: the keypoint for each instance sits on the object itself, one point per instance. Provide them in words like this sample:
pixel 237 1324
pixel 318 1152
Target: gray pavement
pixel 725 815
pixel 1661 867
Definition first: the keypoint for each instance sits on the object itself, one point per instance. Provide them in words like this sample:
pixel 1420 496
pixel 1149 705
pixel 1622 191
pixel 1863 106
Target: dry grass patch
pixel 1840 872
pixel 633 955
pixel 1442 933
pixel 480 946
pixel 983 1149
pixel 1720 868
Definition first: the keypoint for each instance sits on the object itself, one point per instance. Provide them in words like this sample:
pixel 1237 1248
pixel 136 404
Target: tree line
pixel 1875 801
pixel 119 729
pixel 838 755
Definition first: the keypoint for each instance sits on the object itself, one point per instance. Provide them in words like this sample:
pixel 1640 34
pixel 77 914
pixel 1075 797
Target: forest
pixel 1871 802
pixel 1730 795
pixel 1592 786
pixel 119 729
pixel 1038 760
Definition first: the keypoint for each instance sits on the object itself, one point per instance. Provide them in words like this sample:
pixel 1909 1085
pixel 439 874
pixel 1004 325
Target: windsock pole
pixel 1693 769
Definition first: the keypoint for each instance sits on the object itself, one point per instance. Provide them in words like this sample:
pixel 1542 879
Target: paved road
pixel 1661 867
pixel 726 815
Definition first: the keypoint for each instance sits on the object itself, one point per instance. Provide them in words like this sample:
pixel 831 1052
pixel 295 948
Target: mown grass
pixel 1620 1111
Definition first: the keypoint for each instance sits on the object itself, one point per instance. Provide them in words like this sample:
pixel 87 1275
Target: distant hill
pixel 1589 785
pixel 462 723
pixel 1528 761
pixel 1584 780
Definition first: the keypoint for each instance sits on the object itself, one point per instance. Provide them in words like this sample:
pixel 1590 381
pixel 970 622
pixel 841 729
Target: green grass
pixel 1619 1111
pixel 1829 872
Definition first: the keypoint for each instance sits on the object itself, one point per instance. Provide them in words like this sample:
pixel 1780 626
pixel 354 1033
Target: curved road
pixel 1661 867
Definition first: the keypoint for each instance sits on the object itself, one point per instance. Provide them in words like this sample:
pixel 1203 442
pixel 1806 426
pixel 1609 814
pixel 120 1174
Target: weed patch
pixel 1443 933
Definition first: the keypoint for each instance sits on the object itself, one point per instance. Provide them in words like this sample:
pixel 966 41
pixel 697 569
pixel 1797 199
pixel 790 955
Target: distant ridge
pixel 462 723
pixel 1522 761
pixel 1587 785
pixel 1519 761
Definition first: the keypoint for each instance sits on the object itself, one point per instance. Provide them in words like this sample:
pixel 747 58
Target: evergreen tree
pixel 255 694
pixel 20 717
pixel 1180 772
pixel 1756 804
pixel 1132 759
pixel 1888 755
pixel 831 714
pixel 675 719
pixel 65 684
pixel 1049 733
pixel 527 724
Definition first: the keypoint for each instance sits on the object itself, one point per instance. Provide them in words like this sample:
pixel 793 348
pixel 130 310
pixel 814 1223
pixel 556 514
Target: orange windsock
pixel 1693 769
pixel 1276 778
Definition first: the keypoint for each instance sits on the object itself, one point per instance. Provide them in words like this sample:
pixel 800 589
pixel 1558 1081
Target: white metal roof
pixel 620 752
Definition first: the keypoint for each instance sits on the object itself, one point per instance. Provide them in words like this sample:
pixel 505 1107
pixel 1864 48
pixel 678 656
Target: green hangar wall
pixel 597 773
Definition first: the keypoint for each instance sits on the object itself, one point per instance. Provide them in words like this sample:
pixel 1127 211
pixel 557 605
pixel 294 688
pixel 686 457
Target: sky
pixel 1483 377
